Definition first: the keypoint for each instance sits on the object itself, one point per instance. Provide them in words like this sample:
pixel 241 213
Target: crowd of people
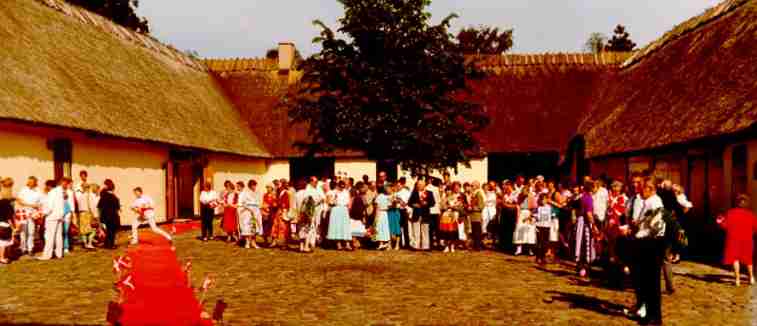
pixel 64 213
pixel 629 228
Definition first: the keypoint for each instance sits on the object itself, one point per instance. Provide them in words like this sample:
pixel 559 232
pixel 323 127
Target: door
pixel 305 167
pixel 389 167
pixel 184 171
pixel 697 189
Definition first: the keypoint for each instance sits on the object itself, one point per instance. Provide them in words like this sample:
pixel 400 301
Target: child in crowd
pixel 544 221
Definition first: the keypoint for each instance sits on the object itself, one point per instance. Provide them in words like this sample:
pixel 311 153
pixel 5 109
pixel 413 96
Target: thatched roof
pixel 536 101
pixel 520 91
pixel 63 66
pixel 698 81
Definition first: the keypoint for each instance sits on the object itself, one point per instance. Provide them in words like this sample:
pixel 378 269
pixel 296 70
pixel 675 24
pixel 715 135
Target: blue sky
pixel 246 28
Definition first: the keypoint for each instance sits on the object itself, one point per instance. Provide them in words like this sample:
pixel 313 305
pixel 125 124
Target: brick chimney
pixel 286 57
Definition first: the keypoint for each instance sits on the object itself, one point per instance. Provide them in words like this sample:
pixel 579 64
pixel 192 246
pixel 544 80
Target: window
pixel 62 150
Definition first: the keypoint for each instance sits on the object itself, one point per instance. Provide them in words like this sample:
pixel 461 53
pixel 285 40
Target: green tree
pixel 390 85
pixel 122 12
pixel 595 43
pixel 485 40
pixel 620 41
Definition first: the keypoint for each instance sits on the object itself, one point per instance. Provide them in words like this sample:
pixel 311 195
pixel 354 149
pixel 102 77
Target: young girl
pixel 544 221
pixel 381 223
pixel 448 225
pixel 525 231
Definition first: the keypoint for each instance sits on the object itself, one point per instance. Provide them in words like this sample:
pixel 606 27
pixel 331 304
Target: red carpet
pixel 161 296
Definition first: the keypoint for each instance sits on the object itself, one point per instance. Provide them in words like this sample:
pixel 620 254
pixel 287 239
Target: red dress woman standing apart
pixel 739 225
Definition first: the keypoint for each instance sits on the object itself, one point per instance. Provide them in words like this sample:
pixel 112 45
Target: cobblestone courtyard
pixel 366 287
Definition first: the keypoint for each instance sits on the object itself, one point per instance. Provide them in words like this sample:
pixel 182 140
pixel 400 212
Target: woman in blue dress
pixel 381 223
pixel 395 230
pixel 340 228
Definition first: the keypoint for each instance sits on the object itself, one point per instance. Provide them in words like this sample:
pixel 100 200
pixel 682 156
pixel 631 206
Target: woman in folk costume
pixel 339 218
pixel 230 204
pixel 248 210
pixel 28 213
pixel 393 214
pixel 358 213
pixel 269 211
pixel 616 209
pixel 475 205
pixel 87 208
pixel 381 222
pixel 490 208
pixel 585 249
pixel 452 206
pixel 525 229
pixel 309 215
pixel 7 215
pixel 280 230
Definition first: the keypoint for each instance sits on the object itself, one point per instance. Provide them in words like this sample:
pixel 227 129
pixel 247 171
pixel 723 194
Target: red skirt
pixel 229 222
pixel 280 228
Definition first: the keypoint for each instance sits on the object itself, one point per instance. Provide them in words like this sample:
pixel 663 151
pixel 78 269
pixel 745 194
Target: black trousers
pixel 506 228
pixel 647 267
pixel 433 227
pixel 405 225
pixel 475 228
pixel 542 242
pixel 207 213
pixel 111 228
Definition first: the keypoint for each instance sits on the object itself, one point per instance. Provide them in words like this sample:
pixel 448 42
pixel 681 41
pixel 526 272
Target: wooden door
pixel 697 190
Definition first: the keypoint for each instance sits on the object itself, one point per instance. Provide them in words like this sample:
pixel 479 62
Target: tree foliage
pixel 485 40
pixel 595 43
pixel 122 12
pixel 620 41
pixel 389 85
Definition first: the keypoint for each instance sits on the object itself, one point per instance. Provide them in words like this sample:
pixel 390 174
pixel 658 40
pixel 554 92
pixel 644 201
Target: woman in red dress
pixel 740 225
pixel 280 228
pixel 229 223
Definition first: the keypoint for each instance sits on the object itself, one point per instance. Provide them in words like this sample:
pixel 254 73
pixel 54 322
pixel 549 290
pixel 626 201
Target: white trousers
pixel 488 214
pixel 153 226
pixel 53 239
pixel 419 236
pixel 28 229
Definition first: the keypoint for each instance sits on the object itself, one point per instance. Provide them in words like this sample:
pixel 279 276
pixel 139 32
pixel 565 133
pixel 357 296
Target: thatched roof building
pixel 65 67
pixel 697 81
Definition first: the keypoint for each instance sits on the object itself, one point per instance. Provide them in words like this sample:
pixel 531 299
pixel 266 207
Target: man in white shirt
pixel 60 204
pixel 404 196
pixel 435 211
pixel 145 209
pixel 600 197
pixel 27 210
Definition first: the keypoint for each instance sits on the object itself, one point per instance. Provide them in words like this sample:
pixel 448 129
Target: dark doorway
pixel 183 176
pixel 740 180
pixel 389 167
pixel 509 165
pixel 304 167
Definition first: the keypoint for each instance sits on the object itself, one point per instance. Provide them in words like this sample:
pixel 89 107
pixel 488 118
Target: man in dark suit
pixel 421 201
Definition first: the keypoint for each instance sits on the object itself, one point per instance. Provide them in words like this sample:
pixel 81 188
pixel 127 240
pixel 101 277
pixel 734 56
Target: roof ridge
pixel 106 25
pixel 688 26
pixel 235 64
pixel 510 60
